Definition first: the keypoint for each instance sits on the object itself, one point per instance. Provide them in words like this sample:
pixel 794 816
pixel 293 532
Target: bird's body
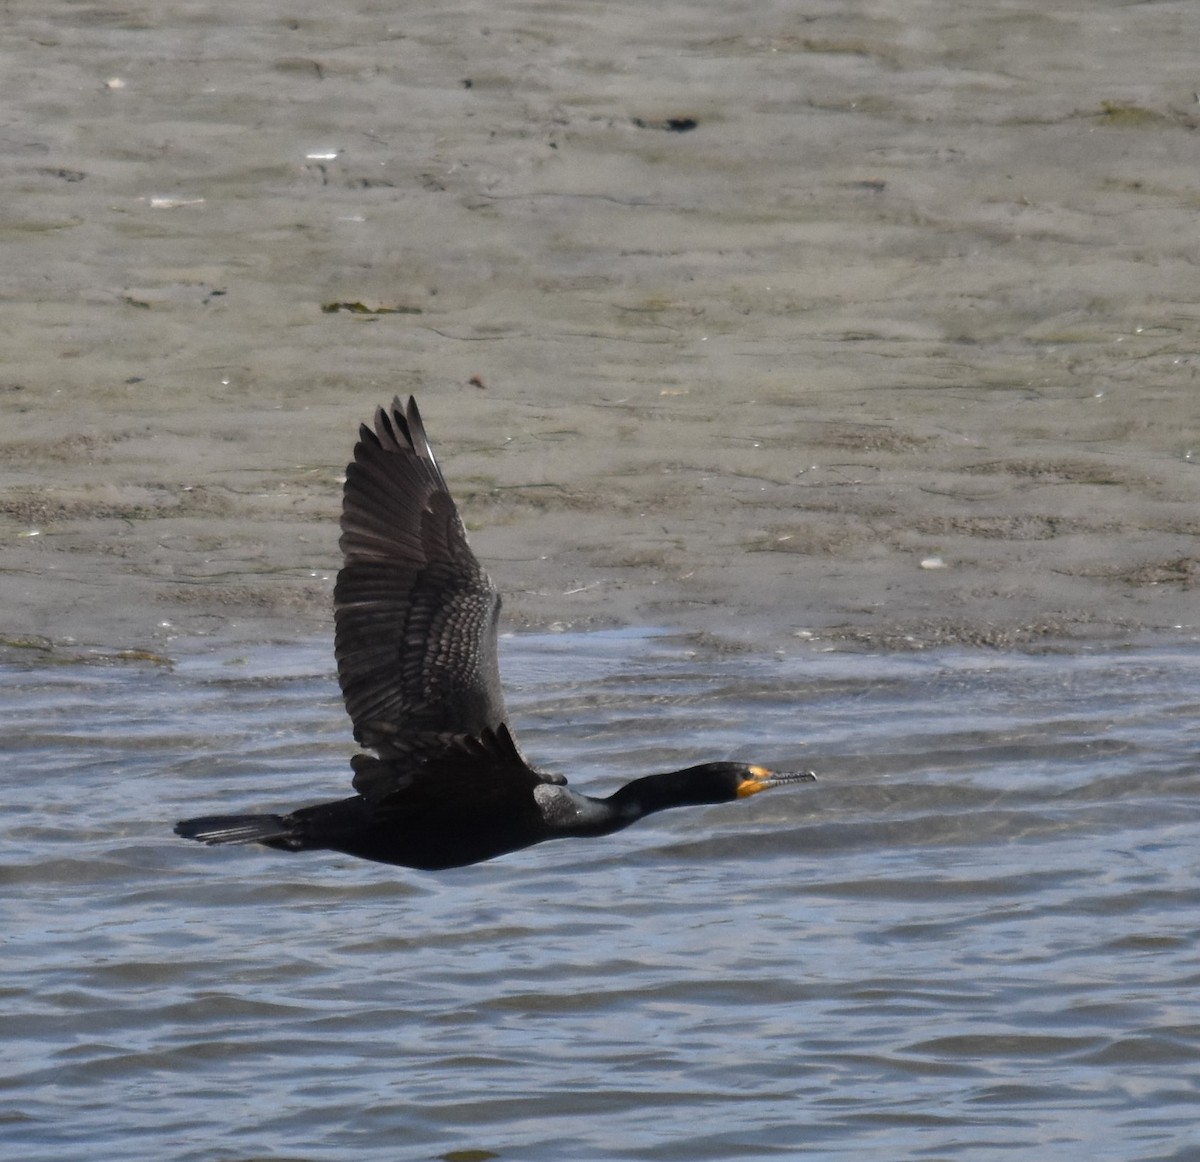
pixel 443 783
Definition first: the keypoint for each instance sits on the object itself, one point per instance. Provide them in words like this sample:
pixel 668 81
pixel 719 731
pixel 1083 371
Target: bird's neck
pixel 653 793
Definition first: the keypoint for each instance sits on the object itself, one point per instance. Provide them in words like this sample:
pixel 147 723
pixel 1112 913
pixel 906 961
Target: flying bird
pixel 440 782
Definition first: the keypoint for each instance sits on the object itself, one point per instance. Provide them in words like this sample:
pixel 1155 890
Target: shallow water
pixel 974 937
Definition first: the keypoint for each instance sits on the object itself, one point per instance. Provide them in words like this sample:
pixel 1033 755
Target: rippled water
pixel 974 938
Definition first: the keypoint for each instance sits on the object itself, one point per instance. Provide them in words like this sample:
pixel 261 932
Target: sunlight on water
pixel 975 936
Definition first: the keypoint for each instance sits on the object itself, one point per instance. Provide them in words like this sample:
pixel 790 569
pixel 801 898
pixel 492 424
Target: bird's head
pixel 723 782
pixel 696 787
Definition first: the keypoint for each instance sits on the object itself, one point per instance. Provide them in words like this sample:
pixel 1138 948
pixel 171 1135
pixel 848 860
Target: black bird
pixel 415 640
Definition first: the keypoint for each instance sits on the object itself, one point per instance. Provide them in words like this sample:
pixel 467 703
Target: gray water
pixel 974 938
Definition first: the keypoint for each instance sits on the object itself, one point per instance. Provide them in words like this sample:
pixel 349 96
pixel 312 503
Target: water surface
pixel 975 937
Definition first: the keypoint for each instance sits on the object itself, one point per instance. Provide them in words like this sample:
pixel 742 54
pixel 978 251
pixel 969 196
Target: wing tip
pixel 398 428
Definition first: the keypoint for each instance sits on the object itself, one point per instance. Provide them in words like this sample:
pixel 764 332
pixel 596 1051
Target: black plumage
pixel 443 784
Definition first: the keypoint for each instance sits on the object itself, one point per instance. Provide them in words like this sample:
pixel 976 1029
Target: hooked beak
pixel 759 779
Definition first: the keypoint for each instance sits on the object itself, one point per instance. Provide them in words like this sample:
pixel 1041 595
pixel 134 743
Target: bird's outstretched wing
pixel 415 612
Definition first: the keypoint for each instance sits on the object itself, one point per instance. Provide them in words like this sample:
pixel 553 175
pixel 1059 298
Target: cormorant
pixel 415 616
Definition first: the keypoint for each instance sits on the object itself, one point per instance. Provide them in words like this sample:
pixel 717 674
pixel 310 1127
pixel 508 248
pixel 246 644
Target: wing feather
pixel 451 769
pixel 415 613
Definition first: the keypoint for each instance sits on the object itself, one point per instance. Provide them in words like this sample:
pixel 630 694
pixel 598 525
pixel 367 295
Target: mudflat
pixel 873 328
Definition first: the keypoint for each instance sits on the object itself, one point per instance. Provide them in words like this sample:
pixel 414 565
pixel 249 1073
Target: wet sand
pixel 895 346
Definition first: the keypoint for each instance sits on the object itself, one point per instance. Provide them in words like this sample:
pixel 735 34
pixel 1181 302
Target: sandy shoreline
pixel 896 348
pixel 869 535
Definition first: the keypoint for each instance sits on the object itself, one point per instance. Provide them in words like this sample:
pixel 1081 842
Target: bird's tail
pixel 213 829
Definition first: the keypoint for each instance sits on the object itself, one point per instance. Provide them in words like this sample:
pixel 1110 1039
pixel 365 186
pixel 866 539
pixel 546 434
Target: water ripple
pixel 975 936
